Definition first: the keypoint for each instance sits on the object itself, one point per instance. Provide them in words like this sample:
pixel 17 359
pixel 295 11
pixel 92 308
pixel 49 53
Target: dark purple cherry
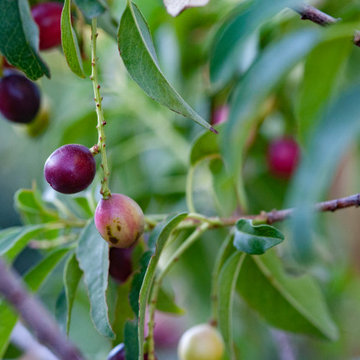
pixel 118 353
pixel 70 169
pixel 19 98
pixel 283 157
pixel 47 16
pixel 119 220
pixel 120 264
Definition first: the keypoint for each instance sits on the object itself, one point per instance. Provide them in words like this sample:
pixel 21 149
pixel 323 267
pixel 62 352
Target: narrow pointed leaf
pixel 13 241
pixel 227 286
pixel 255 240
pixel 69 41
pixel 19 40
pixel 157 241
pixel 291 303
pixel 251 92
pixel 233 35
pixel 138 54
pixel 337 128
pixel 72 276
pixel 93 256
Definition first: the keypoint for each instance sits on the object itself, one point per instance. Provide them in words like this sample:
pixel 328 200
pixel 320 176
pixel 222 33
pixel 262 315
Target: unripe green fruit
pixel 119 220
pixel 201 342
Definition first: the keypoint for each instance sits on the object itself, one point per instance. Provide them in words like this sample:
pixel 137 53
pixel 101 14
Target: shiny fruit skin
pixel 19 98
pixel 47 16
pixel 120 264
pixel 70 169
pixel 119 220
pixel 201 342
pixel 220 114
pixel 283 157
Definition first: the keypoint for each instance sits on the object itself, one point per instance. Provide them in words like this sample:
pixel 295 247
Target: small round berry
pixel 283 157
pixel 70 169
pixel 47 16
pixel 19 98
pixel 201 342
pixel 119 220
pixel 118 353
pixel 220 115
pixel 120 264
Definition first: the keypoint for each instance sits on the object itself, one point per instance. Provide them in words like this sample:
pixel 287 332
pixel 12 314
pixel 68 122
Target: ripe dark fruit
pixel 201 342
pixel 118 353
pixel 119 220
pixel 19 98
pixel 47 16
pixel 283 157
pixel 70 169
pixel 120 264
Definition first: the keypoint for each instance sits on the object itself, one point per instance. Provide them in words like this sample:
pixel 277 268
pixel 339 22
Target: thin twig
pixel 313 14
pixel 35 315
pixel 272 216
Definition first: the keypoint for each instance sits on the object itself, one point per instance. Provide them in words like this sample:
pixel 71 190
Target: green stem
pixel 158 281
pixel 189 190
pixel 101 145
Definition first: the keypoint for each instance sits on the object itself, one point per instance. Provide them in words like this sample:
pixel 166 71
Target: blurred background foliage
pixel 149 149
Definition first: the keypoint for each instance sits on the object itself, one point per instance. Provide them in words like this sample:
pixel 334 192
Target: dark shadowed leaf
pixel 19 40
pixel 291 303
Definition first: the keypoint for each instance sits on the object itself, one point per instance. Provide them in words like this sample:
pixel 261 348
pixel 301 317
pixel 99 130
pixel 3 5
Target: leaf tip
pixel 213 130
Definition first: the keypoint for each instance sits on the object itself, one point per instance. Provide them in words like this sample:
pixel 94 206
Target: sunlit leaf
pixel 93 256
pixel 69 41
pixel 138 53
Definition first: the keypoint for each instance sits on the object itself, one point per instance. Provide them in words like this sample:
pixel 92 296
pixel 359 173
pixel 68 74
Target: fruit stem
pixel 101 145
pixel 158 281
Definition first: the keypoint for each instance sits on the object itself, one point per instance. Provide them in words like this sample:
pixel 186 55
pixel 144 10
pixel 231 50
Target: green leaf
pixel 223 188
pixel 69 41
pixel 256 85
pixel 72 276
pixel 139 57
pixel 61 310
pixel 19 40
pixel 337 128
pixel 226 291
pixel 91 8
pixel 226 250
pixel 232 37
pixel 29 204
pixel 255 240
pixel 325 62
pixel 33 279
pixel 291 303
pixel 131 340
pixel 166 303
pixel 93 256
pixel 13 240
pixel 158 237
pixel 205 146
